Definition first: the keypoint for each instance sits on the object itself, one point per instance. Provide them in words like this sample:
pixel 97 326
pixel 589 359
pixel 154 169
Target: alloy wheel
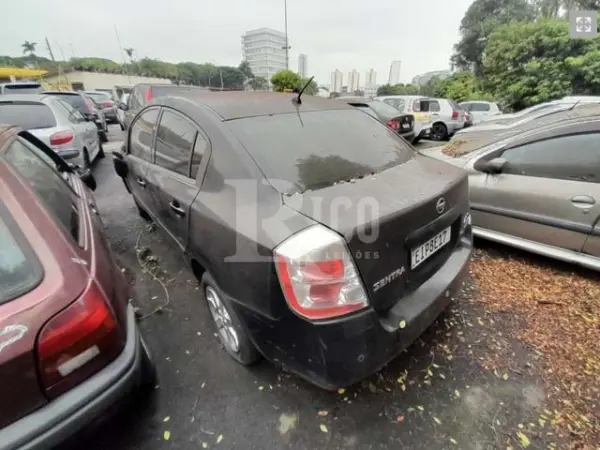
pixel 222 319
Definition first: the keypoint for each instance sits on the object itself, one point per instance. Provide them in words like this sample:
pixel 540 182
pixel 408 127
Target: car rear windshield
pixel 28 115
pixel 22 88
pixel 76 101
pixel 384 109
pixel 19 269
pixel 317 149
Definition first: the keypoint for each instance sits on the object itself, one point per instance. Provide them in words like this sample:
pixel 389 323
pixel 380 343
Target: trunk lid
pixel 34 246
pixel 403 216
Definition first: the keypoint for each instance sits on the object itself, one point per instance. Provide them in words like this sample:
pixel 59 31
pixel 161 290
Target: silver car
pixel 539 190
pixel 56 123
pixel 447 118
pixel 481 110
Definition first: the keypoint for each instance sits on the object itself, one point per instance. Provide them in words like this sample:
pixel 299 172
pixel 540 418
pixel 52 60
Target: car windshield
pixel 18 266
pixel 28 115
pixel 317 149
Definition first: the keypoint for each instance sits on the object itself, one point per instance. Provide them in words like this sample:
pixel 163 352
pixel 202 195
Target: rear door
pixel 479 111
pixel 139 156
pixel 172 178
pixel 548 191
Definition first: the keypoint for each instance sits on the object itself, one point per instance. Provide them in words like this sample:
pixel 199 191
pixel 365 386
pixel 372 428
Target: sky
pixel 344 35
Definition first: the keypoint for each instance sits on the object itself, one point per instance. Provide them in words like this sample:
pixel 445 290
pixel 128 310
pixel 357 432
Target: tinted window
pixel 140 143
pixel 434 106
pixel 19 269
pixel 47 183
pixel 174 141
pixel 72 114
pixel 75 101
pixel 480 107
pixel 397 103
pixel 200 148
pixel 466 106
pixel 22 88
pixel 320 148
pixel 30 116
pixel 384 109
pixel 575 157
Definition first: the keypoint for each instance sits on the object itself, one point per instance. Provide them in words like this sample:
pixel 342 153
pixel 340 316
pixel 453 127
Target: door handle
pixel 176 208
pixel 583 201
pixel 141 182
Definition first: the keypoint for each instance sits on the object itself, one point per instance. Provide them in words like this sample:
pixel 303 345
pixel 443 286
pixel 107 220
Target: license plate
pixel 424 251
pixel 406 125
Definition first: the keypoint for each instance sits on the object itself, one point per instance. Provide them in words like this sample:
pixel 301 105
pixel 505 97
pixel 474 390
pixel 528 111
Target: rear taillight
pixel 318 276
pixel 107 104
pixel 149 94
pixel 78 342
pixel 467 117
pixel 394 125
pixel 454 114
pixel 61 138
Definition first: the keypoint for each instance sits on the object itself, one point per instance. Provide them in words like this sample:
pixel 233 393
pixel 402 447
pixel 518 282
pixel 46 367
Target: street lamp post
pixel 287 44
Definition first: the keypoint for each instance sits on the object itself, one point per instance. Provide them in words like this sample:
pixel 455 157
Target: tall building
pixel 353 81
pixel 303 65
pixel 337 79
pixel 264 49
pixel 394 77
pixel 370 83
pixel 421 80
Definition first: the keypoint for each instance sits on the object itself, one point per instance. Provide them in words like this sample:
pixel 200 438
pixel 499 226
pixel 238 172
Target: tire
pixel 238 345
pixel 416 140
pixel 103 137
pixel 149 374
pixel 100 151
pixel 439 131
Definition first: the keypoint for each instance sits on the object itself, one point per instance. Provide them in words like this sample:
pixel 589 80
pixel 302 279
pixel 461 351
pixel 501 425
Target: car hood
pixel 436 153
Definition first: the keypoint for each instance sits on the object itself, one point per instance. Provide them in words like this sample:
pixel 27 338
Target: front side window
pixel 573 157
pixel 47 183
pixel 140 138
pixel 175 138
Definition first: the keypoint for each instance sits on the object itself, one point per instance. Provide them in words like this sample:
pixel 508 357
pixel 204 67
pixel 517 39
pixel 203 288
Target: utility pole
pixel 50 50
pixel 287 44
pixel 122 52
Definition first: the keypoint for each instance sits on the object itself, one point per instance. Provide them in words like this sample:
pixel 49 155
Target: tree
pixel 259 84
pixel 428 88
pixel 529 63
pixel 29 48
pixel 480 20
pixel 398 89
pixel 244 67
pixel 286 79
pixel 460 86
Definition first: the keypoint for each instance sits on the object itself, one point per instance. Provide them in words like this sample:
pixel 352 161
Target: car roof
pixel 355 100
pixel 239 104
pixel 64 92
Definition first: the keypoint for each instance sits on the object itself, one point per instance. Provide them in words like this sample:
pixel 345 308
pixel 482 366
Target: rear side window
pixel 174 142
pixel 397 103
pixel 480 107
pixel 20 270
pixel 140 141
pixel 434 106
pixel 30 116
pixel 47 183
pixel 320 148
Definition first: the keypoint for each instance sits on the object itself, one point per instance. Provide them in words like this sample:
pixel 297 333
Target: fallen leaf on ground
pixel 402 324
pixel 400 419
pixel 524 440
pixel 167 435
pixel 166 419
pixel 220 438
pixel 323 413
pixel 323 428
pixel 341 391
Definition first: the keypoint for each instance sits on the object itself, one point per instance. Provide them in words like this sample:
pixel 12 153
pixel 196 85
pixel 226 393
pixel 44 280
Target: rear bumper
pixel 409 135
pixel 69 413
pixel 343 352
pixel 110 114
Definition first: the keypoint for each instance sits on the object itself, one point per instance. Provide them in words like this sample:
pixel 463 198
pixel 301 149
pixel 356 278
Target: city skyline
pixel 337 81
pixel 303 65
pixel 394 77
pixel 353 81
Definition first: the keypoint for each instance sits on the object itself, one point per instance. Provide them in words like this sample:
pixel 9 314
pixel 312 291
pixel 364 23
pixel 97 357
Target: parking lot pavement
pixel 437 395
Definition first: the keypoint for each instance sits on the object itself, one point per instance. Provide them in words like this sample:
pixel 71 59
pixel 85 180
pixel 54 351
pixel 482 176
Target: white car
pixel 481 110
pixel 418 106
pixel 121 113
pixel 56 123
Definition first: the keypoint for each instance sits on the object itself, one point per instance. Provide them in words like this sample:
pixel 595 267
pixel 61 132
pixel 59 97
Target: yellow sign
pixel 7 72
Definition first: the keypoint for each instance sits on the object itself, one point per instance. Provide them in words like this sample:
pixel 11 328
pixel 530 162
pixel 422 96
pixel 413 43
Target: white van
pixel 418 106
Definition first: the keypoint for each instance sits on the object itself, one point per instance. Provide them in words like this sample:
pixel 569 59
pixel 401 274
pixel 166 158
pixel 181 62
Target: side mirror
pixel 88 179
pixel 493 166
pixel 123 106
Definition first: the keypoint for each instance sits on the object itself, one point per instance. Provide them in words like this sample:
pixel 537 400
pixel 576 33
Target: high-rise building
pixel 337 79
pixel 303 65
pixel 353 81
pixel 394 72
pixel 370 83
pixel 264 49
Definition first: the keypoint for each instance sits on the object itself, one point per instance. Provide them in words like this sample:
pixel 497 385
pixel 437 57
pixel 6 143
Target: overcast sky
pixel 348 34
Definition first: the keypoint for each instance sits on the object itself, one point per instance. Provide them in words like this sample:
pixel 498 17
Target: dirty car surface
pixel 321 239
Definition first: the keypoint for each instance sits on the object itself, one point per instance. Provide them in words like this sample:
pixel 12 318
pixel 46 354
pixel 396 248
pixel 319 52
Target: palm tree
pixel 29 48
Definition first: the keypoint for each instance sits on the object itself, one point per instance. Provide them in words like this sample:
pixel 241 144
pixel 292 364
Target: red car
pixel 70 348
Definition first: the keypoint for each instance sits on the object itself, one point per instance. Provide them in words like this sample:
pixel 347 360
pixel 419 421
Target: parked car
pixel 87 107
pixel 21 87
pixel 480 110
pixel 120 113
pixel 403 124
pixel 447 117
pixel 418 106
pixel 468 120
pixel 56 123
pixel 142 94
pixel 70 349
pixel 539 190
pixel 107 105
pixel 331 293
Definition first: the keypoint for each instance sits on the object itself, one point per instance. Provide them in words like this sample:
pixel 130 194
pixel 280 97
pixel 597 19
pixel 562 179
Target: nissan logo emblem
pixel 440 206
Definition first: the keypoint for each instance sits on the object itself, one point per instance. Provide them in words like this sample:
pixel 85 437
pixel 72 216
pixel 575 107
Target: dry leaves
pixel 560 313
pixel 454 148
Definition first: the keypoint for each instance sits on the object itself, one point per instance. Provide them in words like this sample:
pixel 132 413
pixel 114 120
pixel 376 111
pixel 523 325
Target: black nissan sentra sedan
pixel 321 239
